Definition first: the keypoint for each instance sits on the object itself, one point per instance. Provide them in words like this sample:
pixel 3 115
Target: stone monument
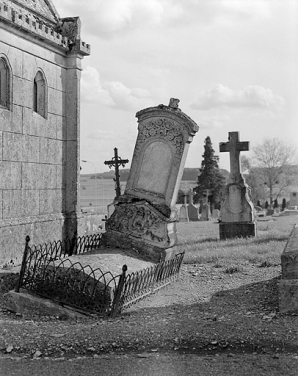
pixel 237 214
pixel 183 213
pixel 145 216
pixel 205 209
pixel 193 213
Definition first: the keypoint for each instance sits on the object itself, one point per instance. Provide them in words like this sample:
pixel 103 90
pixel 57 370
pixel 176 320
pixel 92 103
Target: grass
pixel 201 242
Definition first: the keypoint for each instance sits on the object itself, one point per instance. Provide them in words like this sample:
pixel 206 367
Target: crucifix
pixel 234 146
pixel 116 161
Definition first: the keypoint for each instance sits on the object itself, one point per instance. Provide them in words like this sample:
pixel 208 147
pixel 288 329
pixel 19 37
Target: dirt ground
pixel 205 313
pixel 230 321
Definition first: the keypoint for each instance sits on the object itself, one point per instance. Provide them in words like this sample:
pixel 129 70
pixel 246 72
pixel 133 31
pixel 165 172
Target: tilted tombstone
pixel 193 213
pixel 237 213
pixel 145 215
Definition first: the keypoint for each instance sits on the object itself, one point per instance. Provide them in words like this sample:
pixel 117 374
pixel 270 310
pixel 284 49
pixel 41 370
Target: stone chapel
pixel 40 70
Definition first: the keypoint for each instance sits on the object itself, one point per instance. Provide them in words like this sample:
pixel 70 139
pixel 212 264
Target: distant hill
pixel 189 174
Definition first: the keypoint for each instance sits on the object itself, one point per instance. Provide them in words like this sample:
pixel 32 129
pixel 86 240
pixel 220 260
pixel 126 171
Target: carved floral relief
pixel 139 221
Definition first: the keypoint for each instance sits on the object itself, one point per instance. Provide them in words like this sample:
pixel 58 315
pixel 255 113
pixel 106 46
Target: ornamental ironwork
pixel 88 290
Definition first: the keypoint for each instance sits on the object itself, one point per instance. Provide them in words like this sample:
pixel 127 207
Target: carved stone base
pixel 288 295
pixel 146 251
pixel 230 230
pixel 141 227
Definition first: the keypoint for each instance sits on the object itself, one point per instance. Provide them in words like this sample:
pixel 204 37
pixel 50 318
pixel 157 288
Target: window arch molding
pixel 40 94
pixel 5 83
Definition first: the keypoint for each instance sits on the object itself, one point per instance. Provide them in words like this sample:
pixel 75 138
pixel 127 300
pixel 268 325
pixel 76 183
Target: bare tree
pixel 253 178
pixel 276 161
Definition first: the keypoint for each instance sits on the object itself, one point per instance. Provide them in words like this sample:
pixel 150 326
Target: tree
pixel 284 204
pixel 210 181
pixel 180 197
pixel 266 204
pixel 275 159
pixel 253 178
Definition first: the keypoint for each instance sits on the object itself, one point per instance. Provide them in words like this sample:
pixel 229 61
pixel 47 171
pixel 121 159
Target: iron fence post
pixel 23 266
pixel 119 289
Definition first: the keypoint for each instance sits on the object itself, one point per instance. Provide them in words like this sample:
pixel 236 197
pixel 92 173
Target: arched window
pixel 39 94
pixel 4 83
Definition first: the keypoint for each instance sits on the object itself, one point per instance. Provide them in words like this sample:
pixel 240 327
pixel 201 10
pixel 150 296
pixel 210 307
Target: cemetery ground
pixel 220 318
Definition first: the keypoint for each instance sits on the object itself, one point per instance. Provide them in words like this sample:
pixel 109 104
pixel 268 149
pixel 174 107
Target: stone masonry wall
pixel 32 149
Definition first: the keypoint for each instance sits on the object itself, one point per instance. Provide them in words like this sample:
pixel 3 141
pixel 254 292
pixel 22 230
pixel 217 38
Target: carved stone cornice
pixel 43 30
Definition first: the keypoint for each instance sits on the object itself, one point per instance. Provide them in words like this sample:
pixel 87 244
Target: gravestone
pixel 237 214
pixel 183 213
pixel 192 210
pixel 215 214
pixel 145 216
pixel 270 211
pixel 206 213
pixel 205 209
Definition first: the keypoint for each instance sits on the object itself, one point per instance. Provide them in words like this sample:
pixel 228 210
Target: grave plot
pixel 93 288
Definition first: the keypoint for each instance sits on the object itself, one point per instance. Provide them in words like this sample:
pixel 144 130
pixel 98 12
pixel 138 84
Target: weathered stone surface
pixel 206 213
pixel 145 214
pixel 289 256
pixel 26 303
pixel 236 230
pixel 33 177
pixel 193 212
pixel 288 295
pixel 20 203
pixel 140 221
pixel 10 175
pixel 237 207
pixel 183 214
pixel 215 214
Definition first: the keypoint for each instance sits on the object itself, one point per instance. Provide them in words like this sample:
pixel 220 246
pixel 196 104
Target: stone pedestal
pixel 230 230
pixel 215 214
pixel 206 213
pixel 183 214
pixel 145 215
pixel 237 212
pixel 193 213
pixel 288 285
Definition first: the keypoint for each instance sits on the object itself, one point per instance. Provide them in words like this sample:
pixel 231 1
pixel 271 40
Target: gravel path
pixel 206 313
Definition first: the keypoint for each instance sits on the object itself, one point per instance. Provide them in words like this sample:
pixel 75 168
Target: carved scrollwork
pixel 139 221
pixel 163 128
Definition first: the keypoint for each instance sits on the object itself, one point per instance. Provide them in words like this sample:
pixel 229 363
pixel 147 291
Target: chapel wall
pixel 32 149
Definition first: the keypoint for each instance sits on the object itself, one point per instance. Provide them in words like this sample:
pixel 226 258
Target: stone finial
pixel 174 103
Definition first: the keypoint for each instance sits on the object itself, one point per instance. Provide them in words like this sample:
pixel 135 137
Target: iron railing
pixel 136 286
pixel 68 247
pixel 86 289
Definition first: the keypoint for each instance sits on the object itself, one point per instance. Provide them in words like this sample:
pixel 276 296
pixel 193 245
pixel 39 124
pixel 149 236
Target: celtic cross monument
pixel 237 214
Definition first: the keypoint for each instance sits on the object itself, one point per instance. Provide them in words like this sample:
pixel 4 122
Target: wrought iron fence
pixel 68 247
pixel 136 286
pixel 87 289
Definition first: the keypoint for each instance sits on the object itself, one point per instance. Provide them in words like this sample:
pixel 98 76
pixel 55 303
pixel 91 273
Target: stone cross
pixel 116 161
pixel 234 146
pixel 190 196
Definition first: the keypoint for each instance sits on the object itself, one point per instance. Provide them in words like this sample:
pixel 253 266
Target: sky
pixel 232 63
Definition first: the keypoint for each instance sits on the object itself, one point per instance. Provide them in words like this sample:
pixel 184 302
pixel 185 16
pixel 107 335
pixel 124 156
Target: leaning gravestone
pixel 237 214
pixel 193 213
pixel 145 216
